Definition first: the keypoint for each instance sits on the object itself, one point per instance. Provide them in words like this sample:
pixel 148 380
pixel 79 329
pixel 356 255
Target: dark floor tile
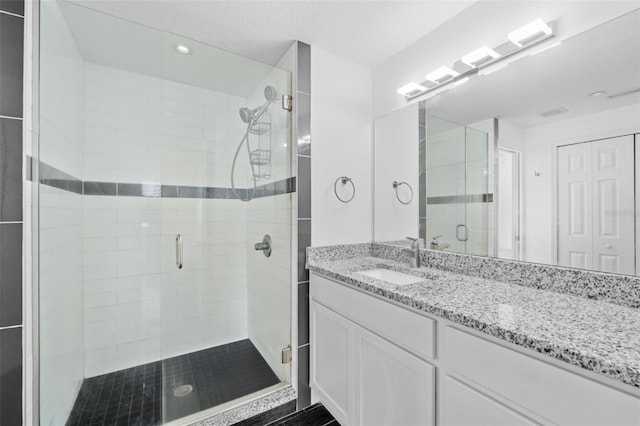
pixel 135 396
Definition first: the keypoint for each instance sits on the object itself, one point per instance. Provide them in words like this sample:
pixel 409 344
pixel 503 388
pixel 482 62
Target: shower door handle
pixel 464 228
pixel 179 251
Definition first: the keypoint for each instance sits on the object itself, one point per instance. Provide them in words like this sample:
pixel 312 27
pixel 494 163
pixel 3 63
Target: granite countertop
pixel 593 334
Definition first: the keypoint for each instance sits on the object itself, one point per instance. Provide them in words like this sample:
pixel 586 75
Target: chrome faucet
pixel 414 260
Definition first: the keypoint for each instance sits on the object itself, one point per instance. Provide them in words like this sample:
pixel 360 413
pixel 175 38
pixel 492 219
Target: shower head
pixel 270 93
pixel 248 115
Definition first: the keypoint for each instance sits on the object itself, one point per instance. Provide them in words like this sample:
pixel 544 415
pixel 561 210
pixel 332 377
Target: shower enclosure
pixel 459 203
pixel 154 303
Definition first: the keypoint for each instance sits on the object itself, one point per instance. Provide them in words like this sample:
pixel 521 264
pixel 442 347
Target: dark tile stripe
pixel 56 178
pixel 461 199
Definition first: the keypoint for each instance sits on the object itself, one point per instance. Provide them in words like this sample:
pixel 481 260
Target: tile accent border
pixel 461 199
pixel 58 179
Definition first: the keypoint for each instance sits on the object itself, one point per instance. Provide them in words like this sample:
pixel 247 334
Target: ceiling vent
pixel 552 112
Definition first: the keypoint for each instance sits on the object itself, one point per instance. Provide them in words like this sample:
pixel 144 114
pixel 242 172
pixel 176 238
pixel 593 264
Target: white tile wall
pixel 138 307
pixel 269 280
pixel 141 128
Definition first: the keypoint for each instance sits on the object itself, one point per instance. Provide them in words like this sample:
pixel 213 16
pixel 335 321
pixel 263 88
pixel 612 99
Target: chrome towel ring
pixel 396 184
pixel 344 181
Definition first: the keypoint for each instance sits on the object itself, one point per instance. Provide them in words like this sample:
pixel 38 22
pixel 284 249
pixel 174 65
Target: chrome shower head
pixel 270 93
pixel 246 115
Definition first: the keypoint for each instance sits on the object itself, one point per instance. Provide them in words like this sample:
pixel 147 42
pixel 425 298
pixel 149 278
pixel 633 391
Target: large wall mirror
pixel 537 161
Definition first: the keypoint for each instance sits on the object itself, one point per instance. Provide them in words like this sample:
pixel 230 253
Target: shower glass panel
pixel 154 304
pixel 457 185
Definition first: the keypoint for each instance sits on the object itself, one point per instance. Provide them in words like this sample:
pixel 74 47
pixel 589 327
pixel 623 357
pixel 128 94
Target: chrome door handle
pixel 179 251
pixel 458 228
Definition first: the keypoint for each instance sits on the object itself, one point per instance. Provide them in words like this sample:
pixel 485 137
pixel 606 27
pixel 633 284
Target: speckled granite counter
pixel 594 334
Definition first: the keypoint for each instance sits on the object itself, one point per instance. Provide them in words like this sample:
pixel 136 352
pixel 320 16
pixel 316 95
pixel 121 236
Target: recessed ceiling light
pixel 441 74
pixel 479 56
pixel 181 48
pixel 598 93
pixel 411 89
pixel 529 31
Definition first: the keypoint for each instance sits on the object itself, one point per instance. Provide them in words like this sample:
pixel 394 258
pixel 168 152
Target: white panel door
pixel 331 358
pixel 575 219
pixel 613 205
pixel 392 387
pixel 596 206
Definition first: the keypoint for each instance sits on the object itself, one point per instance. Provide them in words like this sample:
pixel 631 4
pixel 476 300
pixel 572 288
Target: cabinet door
pixel 331 361
pixel 461 405
pixel 392 386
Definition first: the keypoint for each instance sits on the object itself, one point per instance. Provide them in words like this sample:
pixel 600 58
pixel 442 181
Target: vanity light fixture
pixel 480 56
pixel 441 75
pixel 181 48
pixel 482 61
pixel 411 88
pixel 532 30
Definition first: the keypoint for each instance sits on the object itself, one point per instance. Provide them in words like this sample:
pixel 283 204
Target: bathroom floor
pixel 192 382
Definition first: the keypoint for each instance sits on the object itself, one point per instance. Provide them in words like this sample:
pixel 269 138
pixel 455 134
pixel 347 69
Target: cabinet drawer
pixel 464 406
pixel 549 391
pixel 405 328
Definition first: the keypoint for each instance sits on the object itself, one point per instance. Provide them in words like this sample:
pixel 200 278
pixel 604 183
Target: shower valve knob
pixel 265 245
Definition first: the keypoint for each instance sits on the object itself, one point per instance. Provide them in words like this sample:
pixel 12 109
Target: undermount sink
pixel 392 277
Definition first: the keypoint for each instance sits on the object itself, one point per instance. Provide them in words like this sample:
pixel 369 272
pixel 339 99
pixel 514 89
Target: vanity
pixel 433 346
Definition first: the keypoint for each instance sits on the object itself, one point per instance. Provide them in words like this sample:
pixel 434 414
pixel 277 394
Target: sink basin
pixel 392 277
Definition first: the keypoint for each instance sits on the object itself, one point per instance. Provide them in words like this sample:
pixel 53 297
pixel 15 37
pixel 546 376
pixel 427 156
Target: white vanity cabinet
pixel 362 377
pixel 375 362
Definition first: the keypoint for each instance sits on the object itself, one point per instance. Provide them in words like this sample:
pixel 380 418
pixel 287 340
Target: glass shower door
pixel 224 331
pixel 457 199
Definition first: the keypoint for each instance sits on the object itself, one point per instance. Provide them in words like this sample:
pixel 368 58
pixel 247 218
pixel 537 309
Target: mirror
pixel 535 161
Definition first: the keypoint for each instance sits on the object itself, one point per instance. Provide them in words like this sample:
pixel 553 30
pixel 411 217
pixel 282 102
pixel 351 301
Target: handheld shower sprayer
pixel 247 115
pixel 251 117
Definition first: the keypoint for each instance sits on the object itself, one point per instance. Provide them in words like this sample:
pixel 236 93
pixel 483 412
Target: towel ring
pixel 344 181
pixel 396 184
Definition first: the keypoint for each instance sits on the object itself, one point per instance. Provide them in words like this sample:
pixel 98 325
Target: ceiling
pixel 366 32
pixel 605 58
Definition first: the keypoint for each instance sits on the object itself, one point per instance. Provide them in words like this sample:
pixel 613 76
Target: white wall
pixel 539 155
pixel 138 307
pixel 484 23
pixel 396 151
pixel 341 129
pixel 61 300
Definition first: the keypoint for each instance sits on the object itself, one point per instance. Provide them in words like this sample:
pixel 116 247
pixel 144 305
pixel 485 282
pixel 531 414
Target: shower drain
pixel 183 390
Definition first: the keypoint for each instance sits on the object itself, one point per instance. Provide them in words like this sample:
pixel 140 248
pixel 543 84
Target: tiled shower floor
pixel 135 396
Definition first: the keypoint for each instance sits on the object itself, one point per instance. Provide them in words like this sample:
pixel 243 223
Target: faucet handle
pixel 436 238
pixel 412 239
pixel 415 242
